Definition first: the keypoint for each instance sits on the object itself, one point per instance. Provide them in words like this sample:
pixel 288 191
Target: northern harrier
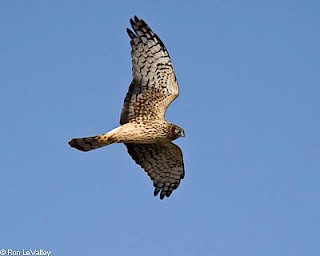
pixel 143 128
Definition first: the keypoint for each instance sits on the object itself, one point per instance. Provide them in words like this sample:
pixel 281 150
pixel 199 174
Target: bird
pixel 143 128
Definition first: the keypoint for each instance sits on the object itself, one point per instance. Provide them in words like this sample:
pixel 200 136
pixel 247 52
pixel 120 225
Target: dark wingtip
pixel 156 191
pixel 130 33
pixel 134 20
pixel 162 194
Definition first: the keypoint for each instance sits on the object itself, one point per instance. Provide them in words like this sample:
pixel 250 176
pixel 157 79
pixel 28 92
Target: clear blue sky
pixel 249 75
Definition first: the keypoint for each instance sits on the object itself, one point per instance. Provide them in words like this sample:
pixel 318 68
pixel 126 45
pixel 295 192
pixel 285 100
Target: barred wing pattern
pixel 162 162
pixel 154 85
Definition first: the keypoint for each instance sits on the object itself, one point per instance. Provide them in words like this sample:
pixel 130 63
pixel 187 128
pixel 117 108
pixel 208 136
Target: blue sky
pixel 249 76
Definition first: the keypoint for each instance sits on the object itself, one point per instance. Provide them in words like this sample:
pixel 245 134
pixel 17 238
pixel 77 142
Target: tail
pixel 90 143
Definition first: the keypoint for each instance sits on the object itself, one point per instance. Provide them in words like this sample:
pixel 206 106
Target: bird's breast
pixel 141 133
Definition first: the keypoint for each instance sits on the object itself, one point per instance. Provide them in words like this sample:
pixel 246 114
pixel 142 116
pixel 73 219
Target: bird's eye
pixel 177 131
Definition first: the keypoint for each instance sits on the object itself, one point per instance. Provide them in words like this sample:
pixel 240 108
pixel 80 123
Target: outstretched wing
pixel 154 85
pixel 162 162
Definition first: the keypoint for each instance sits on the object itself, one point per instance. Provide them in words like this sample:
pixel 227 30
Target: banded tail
pixel 90 143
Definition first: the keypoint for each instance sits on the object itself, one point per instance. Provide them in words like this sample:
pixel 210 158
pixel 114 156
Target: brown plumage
pixel 143 128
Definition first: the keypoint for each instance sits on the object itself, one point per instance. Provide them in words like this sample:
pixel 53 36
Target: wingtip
pixel 156 191
pixel 130 33
pixel 134 20
pixel 163 194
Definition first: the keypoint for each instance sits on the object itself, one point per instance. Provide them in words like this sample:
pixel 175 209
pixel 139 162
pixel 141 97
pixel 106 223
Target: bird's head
pixel 176 132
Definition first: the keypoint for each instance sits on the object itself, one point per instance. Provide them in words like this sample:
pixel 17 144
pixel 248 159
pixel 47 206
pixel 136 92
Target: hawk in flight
pixel 143 129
